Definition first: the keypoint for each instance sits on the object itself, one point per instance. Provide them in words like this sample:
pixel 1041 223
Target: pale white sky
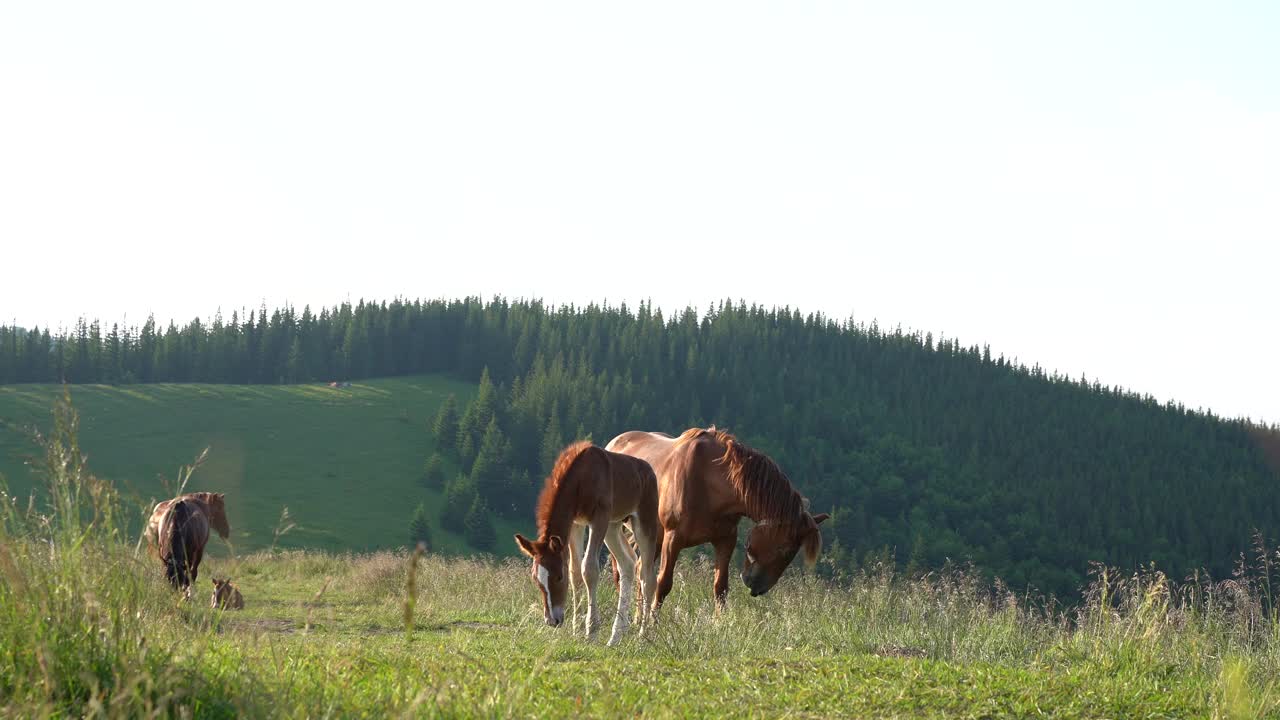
pixel 1091 186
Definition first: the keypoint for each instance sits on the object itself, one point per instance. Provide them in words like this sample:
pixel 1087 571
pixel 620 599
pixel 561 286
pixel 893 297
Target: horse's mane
pixel 765 489
pixel 551 488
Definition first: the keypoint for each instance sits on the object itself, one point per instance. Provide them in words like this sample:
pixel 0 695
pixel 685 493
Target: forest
pixel 925 450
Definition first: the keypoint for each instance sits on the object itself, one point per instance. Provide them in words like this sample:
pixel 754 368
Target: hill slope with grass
pixel 345 461
pixel 922 449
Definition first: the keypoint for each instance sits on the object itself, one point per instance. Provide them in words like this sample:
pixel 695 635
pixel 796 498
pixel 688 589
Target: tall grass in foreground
pixel 89 628
pixel 82 629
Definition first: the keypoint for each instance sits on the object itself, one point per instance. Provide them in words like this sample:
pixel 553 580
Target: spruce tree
pixel 458 497
pixel 294 370
pixel 490 471
pixel 519 498
pixel 419 529
pixel 433 473
pixel 470 432
pixel 445 426
pixel 552 444
pixel 478 526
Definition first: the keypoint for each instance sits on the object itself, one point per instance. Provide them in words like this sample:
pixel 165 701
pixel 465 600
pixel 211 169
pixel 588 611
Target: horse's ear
pixel 817 519
pixel 555 544
pixel 812 546
pixel 526 545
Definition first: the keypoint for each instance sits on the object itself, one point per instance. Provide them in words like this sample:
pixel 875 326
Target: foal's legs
pixel 576 582
pixel 591 570
pixel 626 559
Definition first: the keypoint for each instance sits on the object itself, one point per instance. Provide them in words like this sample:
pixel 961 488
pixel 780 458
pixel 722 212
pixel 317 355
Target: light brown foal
pixel 597 490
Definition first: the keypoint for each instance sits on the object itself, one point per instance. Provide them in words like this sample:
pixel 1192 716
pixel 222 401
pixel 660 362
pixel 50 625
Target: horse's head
pixel 218 513
pixel 772 545
pixel 548 573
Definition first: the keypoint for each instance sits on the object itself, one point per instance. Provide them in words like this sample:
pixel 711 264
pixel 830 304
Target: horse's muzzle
pixel 556 617
pixel 757 584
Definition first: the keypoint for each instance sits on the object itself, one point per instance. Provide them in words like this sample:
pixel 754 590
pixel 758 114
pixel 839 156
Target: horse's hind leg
pixel 194 569
pixel 626 559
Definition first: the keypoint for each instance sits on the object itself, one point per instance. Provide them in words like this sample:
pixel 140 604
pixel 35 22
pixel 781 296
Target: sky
pixel 1093 187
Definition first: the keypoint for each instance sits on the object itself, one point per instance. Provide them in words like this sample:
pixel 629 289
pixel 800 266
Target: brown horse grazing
pixel 179 529
pixel 599 490
pixel 707 481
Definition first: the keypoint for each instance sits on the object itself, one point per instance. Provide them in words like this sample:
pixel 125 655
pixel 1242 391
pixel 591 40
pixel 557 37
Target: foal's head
pixel 772 545
pixel 548 573
pixel 226 595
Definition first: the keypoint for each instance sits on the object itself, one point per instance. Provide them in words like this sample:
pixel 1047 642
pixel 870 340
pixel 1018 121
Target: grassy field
pixel 346 462
pixel 325 636
pixel 89 628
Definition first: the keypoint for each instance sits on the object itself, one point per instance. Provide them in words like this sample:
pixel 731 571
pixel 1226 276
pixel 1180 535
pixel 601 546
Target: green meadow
pixel 345 462
pixel 88 627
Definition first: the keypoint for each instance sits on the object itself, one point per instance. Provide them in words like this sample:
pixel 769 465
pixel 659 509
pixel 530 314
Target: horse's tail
pixel 174 542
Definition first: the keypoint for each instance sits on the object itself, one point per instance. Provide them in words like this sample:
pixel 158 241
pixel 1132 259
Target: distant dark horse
pixel 707 481
pixel 178 531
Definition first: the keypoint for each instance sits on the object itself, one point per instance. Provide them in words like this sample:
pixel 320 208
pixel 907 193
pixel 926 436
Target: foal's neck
pixel 564 508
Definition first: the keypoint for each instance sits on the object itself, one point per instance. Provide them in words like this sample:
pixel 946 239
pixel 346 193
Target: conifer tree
pixel 445 425
pixel 552 443
pixel 419 529
pixel 433 473
pixel 489 473
pixel 478 526
pixel 457 500
pixel 519 496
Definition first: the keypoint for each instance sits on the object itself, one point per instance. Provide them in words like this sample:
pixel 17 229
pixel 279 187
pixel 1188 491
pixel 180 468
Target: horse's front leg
pixel 647 540
pixel 577 584
pixel 591 570
pixel 625 558
pixel 671 547
pixel 724 546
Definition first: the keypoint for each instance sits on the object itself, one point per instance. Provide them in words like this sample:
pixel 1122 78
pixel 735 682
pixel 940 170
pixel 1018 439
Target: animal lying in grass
pixel 226 596
pixel 178 531
pixel 593 488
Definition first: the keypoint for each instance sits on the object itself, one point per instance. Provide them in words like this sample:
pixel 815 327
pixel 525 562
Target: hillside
pixel 924 449
pixel 89 627
pixel 346 462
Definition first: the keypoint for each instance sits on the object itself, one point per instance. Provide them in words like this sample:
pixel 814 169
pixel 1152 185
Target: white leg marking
pixel 591 573
pixel 576 553
pixel 622 552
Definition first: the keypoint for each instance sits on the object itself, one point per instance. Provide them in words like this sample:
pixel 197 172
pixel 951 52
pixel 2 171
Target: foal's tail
pixel 174 540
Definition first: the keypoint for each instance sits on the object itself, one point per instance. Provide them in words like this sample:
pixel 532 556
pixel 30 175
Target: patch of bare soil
pixel 261 625
pixel 901 651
